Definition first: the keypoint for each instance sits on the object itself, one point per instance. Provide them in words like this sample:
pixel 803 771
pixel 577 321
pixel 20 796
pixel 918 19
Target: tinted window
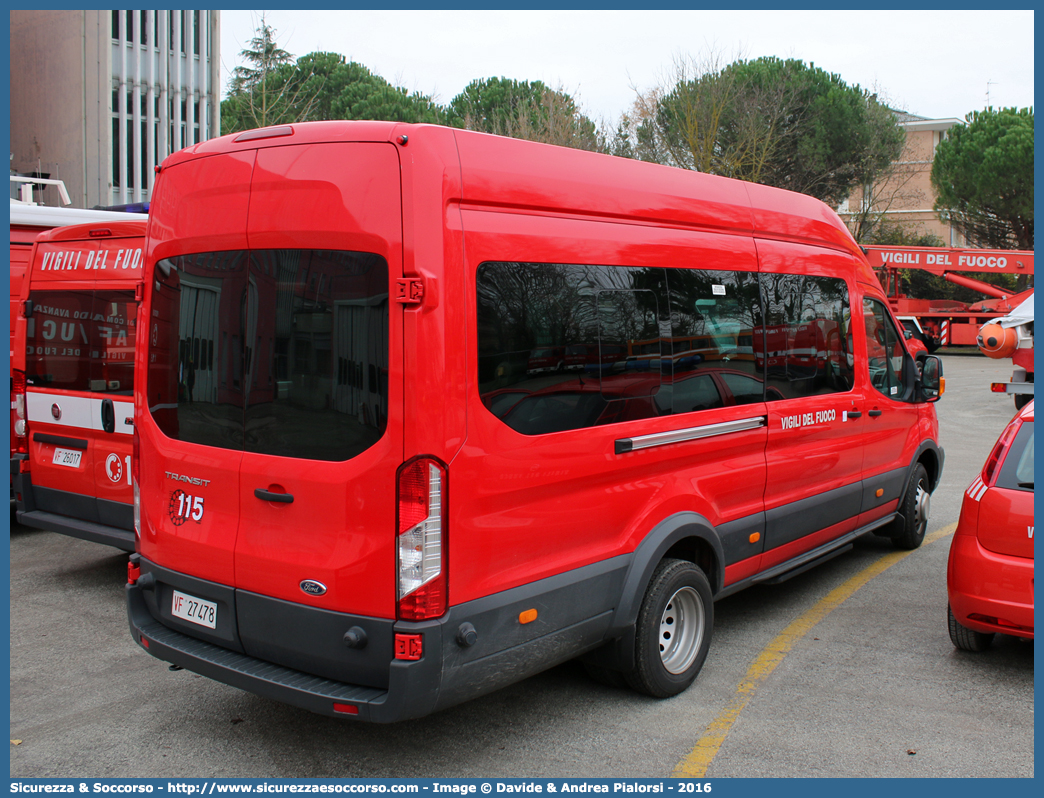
pixel 82 341
pixel 561 337
pixel 714 315
pixel 246 354
pixel 564 346
pixel 807 342
pixel 1017 470
pixel 886 354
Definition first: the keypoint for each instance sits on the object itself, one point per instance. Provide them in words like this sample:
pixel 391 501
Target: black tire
pixel 915 507
pixel 1022 399
pixel 964 638
pixel 673 629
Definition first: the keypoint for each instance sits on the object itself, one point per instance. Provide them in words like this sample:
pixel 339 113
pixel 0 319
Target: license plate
pixel 194 610
pixel 67 457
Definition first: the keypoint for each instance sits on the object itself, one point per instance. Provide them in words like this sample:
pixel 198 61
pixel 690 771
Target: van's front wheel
pixel 673 630
pixel 915 507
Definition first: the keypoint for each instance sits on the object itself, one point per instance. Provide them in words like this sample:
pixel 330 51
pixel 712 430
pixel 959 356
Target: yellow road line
pixel 696 763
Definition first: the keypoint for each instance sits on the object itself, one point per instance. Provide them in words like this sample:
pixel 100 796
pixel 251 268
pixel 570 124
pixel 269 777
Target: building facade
pixel 905 197
pixel 99 98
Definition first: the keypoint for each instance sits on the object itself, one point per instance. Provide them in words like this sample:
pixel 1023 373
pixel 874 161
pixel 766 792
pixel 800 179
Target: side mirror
pixel 907 334
pixel 932 384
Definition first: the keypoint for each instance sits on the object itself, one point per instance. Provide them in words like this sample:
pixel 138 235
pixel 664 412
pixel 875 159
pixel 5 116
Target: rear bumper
pixel 990 592
pixel 316 694
pixel 575 615
pixel 84 517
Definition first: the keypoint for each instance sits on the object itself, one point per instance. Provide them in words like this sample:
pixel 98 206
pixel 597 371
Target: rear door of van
pixel 78 341
pixel 275 381
pixel 323 426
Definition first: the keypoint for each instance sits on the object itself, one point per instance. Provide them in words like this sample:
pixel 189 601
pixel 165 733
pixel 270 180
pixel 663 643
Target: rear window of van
pixel 281 352
pixel 81 341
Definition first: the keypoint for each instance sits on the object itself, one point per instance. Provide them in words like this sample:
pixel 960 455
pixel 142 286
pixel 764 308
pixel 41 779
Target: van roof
pixel 561 180
pixel 48 216
pixel 82 232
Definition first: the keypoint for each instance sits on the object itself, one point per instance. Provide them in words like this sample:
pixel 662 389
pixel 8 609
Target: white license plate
pixel 195 610
pixel 67 457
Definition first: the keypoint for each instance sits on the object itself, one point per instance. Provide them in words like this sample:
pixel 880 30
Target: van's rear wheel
pixel 673 630
pixel 914 507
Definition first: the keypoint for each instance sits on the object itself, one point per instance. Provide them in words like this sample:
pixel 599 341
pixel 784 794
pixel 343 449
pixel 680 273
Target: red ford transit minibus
pixel 73 383
pixel 358 495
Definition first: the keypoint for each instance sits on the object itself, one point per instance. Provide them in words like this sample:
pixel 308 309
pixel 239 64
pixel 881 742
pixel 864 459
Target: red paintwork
pixel 990 567
pixel 522 507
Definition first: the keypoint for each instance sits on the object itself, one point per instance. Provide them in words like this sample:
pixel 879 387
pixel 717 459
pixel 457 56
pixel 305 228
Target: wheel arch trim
pixel 670 531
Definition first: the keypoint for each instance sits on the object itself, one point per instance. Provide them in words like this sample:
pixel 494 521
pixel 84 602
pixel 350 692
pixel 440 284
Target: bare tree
pixel 706 118
pixel 273 90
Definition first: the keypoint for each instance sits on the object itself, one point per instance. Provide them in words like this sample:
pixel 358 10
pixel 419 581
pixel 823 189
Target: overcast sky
pixel 937 64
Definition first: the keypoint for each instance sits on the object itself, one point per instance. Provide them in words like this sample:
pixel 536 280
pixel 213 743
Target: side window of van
pixel 82 341
pixel 714 315
pixel 564 346
pixel 256 359
pixel 568 346
pixel 886 353
pixel 807 349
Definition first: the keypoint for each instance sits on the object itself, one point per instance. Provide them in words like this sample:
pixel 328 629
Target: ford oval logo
pixel 313 588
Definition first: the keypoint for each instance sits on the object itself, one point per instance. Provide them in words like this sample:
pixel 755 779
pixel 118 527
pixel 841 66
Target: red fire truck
pixel 948 322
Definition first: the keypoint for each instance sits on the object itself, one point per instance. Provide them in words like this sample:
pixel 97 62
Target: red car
pixel 990 573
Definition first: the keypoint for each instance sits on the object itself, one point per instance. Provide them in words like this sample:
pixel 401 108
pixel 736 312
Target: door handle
pixel 268 496
pixel 855 413
pixel 108 415
pixel 875 413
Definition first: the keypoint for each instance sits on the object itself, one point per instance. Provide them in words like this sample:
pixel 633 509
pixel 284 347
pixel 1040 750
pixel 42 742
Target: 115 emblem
pixel 182 507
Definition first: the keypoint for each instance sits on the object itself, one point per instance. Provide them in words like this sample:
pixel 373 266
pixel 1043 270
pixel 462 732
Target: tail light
pixel 989 471
pixel 19 423
pixel 422 539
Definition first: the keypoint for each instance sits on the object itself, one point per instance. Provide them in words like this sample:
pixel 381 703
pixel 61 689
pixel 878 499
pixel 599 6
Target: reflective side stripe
pixel 977 489
pixel 79 412
pixel 688 434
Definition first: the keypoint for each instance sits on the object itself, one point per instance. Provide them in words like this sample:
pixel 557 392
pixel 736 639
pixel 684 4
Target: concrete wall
pixel 49 76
